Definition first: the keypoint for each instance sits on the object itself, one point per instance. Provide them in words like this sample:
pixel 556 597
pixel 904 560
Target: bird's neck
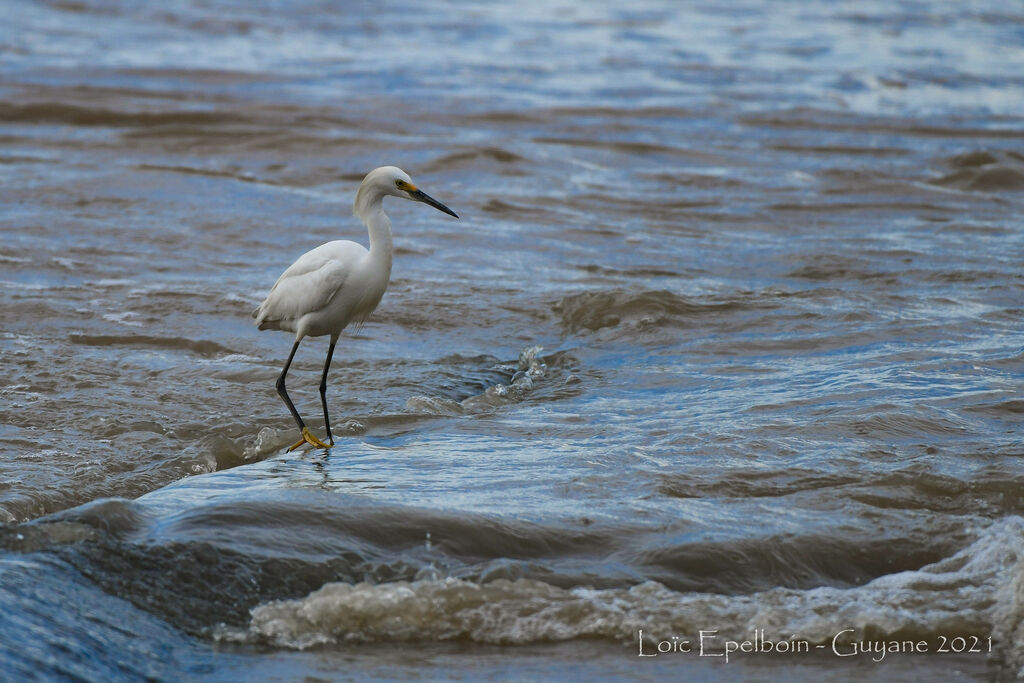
pixel 379 226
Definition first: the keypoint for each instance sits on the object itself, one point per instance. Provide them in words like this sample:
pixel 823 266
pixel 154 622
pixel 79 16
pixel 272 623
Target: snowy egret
pixel 338 282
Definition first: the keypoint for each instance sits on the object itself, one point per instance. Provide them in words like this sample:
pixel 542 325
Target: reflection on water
pixel 728 337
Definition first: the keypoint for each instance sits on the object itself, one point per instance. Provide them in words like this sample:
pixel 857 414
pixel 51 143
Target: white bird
pixel 338 282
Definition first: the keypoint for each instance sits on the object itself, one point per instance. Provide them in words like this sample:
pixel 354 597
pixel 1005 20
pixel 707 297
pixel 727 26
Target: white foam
pixel 123 318
pixel 979 590
pixel 111 282
pixel 531 367
pixel 433 405
pixel 267 441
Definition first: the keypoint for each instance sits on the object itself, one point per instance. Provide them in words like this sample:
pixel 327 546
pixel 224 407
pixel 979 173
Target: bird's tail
pixel 261 320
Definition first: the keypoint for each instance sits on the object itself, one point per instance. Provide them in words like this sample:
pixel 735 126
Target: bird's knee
pixel 280 385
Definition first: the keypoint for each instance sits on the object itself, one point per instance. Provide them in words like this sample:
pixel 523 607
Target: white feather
pixel 310 284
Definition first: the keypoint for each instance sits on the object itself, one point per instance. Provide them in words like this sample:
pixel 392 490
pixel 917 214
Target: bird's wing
pixel 310 283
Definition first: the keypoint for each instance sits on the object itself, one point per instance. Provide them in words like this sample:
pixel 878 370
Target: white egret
pixel 338 282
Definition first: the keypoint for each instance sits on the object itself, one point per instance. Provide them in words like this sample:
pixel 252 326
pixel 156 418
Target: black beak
pixel 421 196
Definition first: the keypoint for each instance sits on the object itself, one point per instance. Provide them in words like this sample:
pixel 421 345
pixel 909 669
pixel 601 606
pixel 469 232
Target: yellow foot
pixel 307 437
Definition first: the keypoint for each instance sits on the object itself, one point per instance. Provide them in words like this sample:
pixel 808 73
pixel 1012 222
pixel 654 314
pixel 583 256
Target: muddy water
pixel 728 338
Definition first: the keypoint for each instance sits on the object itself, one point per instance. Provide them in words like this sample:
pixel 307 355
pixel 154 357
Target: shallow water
pixel 728 337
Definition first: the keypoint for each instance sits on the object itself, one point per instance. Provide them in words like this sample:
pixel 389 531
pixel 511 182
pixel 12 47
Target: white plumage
pixel 339 282
pixel 336 281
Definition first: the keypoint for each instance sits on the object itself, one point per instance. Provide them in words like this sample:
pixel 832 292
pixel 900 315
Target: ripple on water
pixel 983 171
pixel 595 310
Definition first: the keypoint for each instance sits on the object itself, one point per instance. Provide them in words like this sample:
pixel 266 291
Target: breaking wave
pixel 529 369
pixel 978 591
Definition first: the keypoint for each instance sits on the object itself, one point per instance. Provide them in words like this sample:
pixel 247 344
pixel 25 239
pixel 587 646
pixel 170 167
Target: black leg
pixel 284 393
pixel 323 390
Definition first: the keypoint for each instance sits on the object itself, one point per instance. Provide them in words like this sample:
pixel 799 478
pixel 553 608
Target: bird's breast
pixel 360 294
pixel 370 297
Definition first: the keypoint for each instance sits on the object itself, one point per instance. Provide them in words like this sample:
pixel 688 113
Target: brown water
pixel 728 338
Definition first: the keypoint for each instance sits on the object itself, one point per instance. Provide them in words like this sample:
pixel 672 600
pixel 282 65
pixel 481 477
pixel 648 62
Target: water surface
pixel 728 337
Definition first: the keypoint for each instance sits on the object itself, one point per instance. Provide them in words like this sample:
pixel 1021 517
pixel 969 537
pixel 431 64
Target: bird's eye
pixel 400 184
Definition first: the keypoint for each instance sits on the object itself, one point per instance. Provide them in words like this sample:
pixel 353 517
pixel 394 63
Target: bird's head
pixel 393 181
